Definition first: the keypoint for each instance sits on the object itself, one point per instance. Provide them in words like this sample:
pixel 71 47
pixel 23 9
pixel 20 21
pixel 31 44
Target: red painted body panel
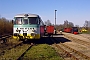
pixel 68 30
pixel 42 30
pixel 50 29
pixel 73 30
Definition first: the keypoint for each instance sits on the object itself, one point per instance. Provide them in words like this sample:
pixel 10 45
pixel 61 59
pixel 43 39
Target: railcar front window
pixel 25 21
pixel 33 20
pixel 75 29
pixel 18 21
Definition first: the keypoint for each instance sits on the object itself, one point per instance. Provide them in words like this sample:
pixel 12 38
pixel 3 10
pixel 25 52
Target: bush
pixel 6 26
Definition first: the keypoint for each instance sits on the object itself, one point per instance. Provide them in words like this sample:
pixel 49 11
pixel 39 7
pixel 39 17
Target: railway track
pixel 78 40
pixel 9 45
pixel 68 52
pixel 9 48
pixel 3 47
pixel 16 52
pixel 4 38
pixel 6 53
pixel 20 57
pixel 85 36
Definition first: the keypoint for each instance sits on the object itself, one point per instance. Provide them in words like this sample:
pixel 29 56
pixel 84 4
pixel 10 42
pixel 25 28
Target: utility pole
pixel 55 21
pixel 55 17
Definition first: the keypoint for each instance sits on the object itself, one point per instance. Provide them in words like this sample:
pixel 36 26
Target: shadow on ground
pixel 47 40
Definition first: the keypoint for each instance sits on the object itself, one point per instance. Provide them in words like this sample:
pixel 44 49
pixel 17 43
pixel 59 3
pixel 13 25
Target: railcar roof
pixel 29 15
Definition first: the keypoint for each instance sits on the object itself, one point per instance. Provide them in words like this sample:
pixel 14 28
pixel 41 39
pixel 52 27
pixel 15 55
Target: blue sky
pixel 76 11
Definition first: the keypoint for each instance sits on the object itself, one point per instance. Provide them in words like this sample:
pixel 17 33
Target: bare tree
pixel 65 23
pixel 76 25
pixel 68 24
pixel 5 26
pixel 87 24
pixel 47 23
pixel 60 27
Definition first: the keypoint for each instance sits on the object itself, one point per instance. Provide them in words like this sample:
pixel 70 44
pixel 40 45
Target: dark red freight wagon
pixel 68 30
pixel 50 30
pixel 75 30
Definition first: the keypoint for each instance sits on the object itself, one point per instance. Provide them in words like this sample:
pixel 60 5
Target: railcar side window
pixel 41 23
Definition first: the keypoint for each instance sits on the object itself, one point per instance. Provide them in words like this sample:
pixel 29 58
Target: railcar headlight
pixel 16 34
pixel 33 30
pixel 32 34
pixel 17 30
